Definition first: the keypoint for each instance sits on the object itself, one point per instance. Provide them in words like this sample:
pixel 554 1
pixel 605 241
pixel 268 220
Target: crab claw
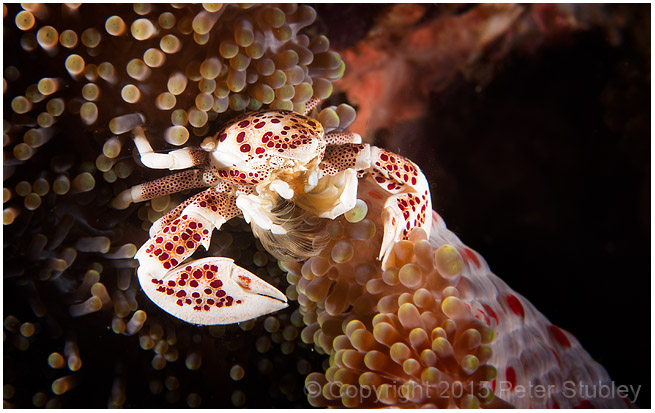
pixel 212 291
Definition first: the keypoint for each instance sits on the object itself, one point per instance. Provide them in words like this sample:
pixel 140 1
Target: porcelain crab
pixel 282 173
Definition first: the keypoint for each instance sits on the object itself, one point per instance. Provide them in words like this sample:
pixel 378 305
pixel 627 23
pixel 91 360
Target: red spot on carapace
pixel 515 305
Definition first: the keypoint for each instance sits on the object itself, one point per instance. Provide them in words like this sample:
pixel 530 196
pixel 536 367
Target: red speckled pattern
pixel 341 138
pixel 197 286
pixel 172 183
pixel 401 170
pixel 211 291
pixel 262 135
pixel 412 208
pixel 410 204
pixel 340 157
pixel 177 211
pixel 176 240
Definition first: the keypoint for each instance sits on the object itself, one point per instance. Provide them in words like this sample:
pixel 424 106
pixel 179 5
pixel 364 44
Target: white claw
pixel 212 291
pixel 392 233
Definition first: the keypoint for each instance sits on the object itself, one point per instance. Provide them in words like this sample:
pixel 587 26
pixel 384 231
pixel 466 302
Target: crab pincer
pixel 262 166
pixel 212 291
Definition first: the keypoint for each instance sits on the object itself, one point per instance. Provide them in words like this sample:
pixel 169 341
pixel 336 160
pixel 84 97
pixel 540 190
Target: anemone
pixel 435 329
pixel 77 79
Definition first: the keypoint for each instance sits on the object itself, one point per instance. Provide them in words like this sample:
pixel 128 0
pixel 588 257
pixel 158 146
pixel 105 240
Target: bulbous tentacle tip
pixel 212 291
pixel 123 200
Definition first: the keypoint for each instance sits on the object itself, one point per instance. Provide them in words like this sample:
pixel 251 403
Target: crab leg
pixel 177 211
pixel 177 240
pixel 177 159
pixel 408 205
pixel 194 178
pixel 212 291
pixel 339 138
pixel 347 156
pixel 311 104
pixel 206 291
pixel 172 215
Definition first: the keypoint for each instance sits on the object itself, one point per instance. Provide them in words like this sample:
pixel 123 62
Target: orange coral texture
pixel 436 329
